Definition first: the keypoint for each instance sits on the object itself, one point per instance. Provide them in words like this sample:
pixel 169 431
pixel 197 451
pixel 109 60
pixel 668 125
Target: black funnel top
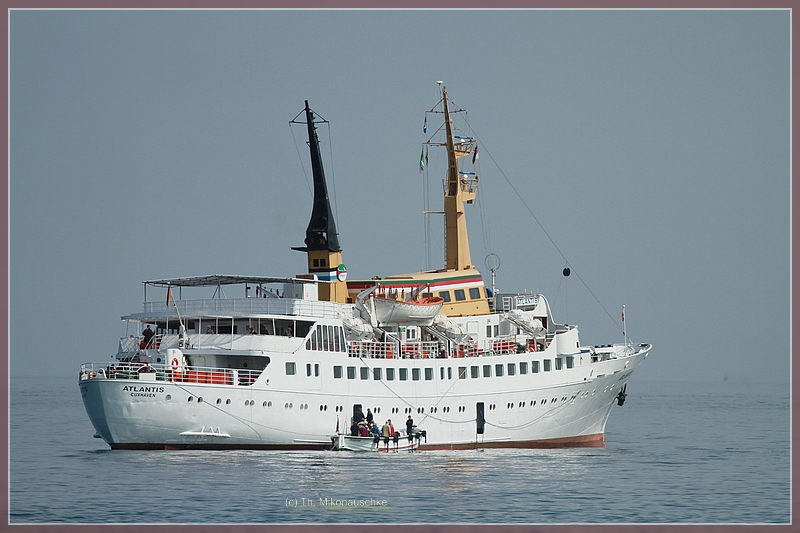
pixel 321 232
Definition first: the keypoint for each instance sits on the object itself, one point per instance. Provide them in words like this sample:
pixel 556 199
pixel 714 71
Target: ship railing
pixel 420 350
pixel 133 343
pixel 247 306
pixel 163 372
pixel 373 349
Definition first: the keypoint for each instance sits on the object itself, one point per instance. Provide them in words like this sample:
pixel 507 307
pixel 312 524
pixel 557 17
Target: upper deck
pixel 297 298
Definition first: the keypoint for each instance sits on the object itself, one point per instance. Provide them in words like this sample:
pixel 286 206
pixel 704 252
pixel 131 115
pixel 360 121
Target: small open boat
pixel 342 441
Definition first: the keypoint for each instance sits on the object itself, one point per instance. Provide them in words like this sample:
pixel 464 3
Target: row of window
pixel 407 410
pixel 327 338
pixel 476 371
pixel 460 295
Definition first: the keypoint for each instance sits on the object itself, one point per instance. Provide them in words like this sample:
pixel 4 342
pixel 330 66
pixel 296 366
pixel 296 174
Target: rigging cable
pixel 300 157
pixel 521 199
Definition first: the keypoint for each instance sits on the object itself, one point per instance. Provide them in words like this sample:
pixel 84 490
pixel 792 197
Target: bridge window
pixel 403 374
pixel 474 293
pixel 291 369
pixel 376 374
pixel 444 295
pixel 428 374
pixel 487 371
pixel 390 374
pixel 462 372
pixel 337 372
pixel 523 367
pixel 559 362
pixel 547 365
pixel 498 370
pixel 570 361
pixel 474 371
pixel 460 296
pixel 415 374
pixel 512 369
pixel 364 372
pixel 534 367
pixel 351 372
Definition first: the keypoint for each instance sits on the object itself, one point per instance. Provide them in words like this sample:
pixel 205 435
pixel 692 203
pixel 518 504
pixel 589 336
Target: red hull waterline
pixel 596 440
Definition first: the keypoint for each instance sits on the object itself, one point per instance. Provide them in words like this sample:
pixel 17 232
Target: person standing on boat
pixel 409 425
pixel 209 330
pixel 386 430
pixel 369 416
pixel 148 335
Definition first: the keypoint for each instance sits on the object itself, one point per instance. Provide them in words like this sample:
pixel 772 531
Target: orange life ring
pixel 175 363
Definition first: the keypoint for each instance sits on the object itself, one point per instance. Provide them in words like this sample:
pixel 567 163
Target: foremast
pixel 461 187
pixel 322 240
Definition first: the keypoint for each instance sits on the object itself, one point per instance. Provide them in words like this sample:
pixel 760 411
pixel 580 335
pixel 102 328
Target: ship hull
pixel 562 408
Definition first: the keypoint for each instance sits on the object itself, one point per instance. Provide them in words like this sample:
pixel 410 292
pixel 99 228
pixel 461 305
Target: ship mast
pixel 322 239
pixel 460 188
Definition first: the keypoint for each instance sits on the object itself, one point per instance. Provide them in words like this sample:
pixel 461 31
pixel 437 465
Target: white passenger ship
pixel 254 362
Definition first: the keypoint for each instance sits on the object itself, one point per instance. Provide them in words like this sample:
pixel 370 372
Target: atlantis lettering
pixel 147 392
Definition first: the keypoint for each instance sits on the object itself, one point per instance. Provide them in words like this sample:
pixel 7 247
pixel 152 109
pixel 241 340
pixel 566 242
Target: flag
pixel 422 161
pixel 623 315
pixel 425 125
pixel 475 155
pixel 169 296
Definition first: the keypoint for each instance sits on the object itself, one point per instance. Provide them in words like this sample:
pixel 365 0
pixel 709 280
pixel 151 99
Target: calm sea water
pixel 676 453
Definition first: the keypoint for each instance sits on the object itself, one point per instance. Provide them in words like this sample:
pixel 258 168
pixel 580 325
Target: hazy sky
pixel 653 147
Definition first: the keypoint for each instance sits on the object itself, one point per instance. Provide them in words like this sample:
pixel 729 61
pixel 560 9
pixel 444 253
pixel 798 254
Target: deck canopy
pixel 219 279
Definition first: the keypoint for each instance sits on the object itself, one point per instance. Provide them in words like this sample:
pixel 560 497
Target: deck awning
pixel 219 279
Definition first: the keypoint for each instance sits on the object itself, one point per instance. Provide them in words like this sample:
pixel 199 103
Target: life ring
pixel 175 363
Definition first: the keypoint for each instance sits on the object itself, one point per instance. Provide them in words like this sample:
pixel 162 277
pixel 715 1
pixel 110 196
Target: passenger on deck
pixel 386 430
pixel 264 330
pixel 363 430
pixel 289 332
pixel 147 334
pixel 373 429
pixel 409 425
pixel 358 416
pixel 369 416
pixel 391 428
pixel 252 331
pixel 209 330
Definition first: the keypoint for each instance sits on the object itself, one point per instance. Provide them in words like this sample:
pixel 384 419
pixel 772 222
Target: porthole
pixel 190 399
pixel 326 408
pixel 286 406
pixel 269 403
pixel 228 401
pixel 320 408
pixel 200 399
pixel 291 405
pixel 169 396
pixel 264 404
pixel 219 401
